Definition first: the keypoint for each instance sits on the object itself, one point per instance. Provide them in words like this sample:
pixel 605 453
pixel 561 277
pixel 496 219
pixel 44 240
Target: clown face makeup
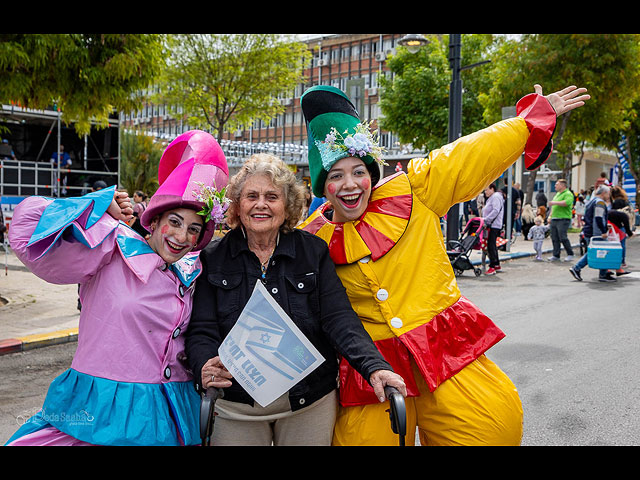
pixel 348 189
pixel 175 233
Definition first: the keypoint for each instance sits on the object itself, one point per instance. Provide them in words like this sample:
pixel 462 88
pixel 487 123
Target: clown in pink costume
pixel 127 384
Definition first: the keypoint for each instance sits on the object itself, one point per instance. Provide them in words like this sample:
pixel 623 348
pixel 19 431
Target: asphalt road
pixel 571 349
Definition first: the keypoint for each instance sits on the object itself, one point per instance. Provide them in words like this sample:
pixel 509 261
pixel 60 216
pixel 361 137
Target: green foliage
pixel 86 76
pixel 415 100
pixel 606 64
pixel 222 82
pixel 139 162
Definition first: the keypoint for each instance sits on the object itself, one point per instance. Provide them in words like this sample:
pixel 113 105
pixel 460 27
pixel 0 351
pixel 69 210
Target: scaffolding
pixel 32 173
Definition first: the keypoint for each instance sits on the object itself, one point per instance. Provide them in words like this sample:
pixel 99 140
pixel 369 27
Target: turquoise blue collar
pixel 135 251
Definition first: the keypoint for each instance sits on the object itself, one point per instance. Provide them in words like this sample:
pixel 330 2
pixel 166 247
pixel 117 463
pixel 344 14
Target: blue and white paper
pixel 265 351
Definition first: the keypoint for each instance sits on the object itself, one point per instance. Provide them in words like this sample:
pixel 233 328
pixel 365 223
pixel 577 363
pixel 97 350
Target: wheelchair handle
pixel 207 412
pixel 397 412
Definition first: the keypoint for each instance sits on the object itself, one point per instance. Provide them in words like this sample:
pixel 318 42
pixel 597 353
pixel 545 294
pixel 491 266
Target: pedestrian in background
pixel 619 220
pixel 65 161
pixel 519 205
pixel 528 219
pixel 493 219
pixel 541 205
pixel 480 201
pixel 595 225
pixel 601 180
pixel 561 215
pixel 620 201
pixel 139 206
pixel 579 207
pixel 516 203
pixel 537 234
pixel 6 151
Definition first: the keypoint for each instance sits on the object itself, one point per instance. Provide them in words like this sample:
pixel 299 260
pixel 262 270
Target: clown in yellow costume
pixel 385 239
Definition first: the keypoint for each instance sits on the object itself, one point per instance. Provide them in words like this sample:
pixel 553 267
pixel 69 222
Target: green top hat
pixel 334 132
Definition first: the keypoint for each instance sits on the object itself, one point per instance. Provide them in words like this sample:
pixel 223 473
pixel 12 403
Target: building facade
pixel 352 62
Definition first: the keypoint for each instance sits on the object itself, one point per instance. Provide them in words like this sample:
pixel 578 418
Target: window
pixel 345 53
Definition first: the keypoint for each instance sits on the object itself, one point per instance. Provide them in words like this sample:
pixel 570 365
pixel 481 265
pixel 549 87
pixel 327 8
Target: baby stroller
pixel 470 239
pixel 583 244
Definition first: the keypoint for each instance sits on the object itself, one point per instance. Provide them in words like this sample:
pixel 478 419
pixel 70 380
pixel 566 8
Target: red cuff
pixel 540 117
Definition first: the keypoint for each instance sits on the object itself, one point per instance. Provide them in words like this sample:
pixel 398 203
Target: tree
pixel 627 137
pixel 415 100
pixel 606 64
pixel 223 82
pixel 139 164
pixel 87 76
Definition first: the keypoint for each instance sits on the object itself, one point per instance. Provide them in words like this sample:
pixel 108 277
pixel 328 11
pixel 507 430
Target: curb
pixel 511 256
pixel 28 342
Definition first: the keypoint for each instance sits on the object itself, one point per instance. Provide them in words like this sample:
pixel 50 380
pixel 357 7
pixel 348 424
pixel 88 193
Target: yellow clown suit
pixel 393 263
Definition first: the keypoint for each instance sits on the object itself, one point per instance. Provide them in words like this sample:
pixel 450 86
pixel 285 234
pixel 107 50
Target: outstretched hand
pixel 566 99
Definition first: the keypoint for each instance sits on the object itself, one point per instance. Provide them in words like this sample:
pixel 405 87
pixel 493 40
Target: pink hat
pixel 192 160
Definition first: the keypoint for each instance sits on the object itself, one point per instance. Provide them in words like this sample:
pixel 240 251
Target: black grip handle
pixel 207 412
pixel 397 412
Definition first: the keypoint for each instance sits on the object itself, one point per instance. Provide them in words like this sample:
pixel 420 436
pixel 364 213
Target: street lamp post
pixel 455 121
pixel 413 43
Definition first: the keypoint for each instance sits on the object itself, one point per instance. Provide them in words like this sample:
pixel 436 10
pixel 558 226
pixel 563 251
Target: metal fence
pixel 23 178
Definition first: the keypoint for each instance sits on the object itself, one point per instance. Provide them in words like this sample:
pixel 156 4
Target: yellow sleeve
pixel 461 170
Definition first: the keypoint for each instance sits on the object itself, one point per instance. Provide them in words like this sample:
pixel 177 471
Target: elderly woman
pixel 266 205
pixel 127 384
pixel 389 253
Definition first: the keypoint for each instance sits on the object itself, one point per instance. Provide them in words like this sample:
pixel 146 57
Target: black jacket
pixel 302 279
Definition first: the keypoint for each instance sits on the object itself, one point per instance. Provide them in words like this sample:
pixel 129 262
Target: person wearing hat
pixel 385 238
pixel 294 266
pixel 99 185
pixel 127 384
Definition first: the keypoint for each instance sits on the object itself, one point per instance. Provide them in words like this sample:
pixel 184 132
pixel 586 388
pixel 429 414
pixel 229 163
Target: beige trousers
pixel 238 424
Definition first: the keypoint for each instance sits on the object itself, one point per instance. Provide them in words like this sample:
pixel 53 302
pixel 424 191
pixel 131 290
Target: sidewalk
pixel 34 313
pixel 522 248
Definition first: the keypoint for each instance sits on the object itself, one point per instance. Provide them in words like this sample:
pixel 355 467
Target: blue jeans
pixel 580 264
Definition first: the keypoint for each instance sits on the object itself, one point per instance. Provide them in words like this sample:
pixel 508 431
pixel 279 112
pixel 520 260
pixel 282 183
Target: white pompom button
pixel 396 322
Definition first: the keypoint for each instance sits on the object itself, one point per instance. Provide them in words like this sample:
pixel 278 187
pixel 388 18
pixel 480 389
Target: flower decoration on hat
pixel 363 142
pixel 215 203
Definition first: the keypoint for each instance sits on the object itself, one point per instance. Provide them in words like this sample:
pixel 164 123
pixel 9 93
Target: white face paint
pixel 175 233
pixel 348 189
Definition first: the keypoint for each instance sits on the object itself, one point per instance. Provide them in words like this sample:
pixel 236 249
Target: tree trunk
pixel 531 181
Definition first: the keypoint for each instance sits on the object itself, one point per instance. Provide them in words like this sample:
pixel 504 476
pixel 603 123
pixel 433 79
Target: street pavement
pixel 34 313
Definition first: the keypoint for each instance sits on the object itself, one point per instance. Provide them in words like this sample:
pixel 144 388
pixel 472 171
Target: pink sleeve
pixel 72 249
